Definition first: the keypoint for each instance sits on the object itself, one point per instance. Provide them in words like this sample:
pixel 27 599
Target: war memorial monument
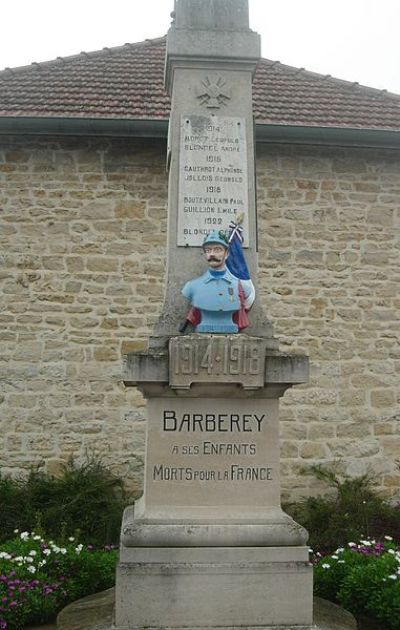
pixel 208 544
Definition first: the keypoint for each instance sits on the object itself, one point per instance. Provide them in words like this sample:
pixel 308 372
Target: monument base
pixel 210 587
pixel 270 528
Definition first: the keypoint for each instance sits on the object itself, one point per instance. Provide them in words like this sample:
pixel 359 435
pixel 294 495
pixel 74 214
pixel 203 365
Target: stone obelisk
pixel 208 544
pixel 210 62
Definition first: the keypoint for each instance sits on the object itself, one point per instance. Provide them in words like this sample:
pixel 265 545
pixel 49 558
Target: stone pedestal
pixel 210 587
pixel 208 544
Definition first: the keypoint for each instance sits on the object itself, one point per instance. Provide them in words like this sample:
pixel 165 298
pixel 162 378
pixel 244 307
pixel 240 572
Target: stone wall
pixel 330 261
pixel 82 238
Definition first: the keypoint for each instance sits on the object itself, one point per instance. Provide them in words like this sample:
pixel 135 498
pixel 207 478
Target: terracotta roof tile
pixel 127 83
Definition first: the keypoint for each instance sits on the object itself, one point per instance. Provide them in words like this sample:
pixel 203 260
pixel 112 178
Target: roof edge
pixel 329 136
pixel 152 128
pixel 35 125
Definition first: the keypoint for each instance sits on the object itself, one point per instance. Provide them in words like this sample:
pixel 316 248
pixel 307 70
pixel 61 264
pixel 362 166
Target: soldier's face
pixel 216 256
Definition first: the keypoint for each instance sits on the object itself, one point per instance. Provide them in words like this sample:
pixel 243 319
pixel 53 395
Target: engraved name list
pixel 213 182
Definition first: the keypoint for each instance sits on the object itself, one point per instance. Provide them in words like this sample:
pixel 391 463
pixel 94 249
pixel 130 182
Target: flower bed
pixel 364 578
pixel 39 577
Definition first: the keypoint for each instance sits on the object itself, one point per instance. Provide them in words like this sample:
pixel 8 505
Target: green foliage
pixel 10 502
pixel 86 498
pixel 355 511
pixel 364 578
pixel 39 577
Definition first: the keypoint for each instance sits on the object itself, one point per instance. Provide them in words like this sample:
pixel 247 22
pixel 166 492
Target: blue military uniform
pixel 216 295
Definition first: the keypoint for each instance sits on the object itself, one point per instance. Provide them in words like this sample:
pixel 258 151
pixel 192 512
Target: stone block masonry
pixel 329 258
pixel 82 262
pixel 82 259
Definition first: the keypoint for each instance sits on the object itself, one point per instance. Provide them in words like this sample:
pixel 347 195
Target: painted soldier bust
pixel 220 300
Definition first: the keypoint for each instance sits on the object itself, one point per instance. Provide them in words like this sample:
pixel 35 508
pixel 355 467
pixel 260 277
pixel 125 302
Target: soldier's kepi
pixel 220 299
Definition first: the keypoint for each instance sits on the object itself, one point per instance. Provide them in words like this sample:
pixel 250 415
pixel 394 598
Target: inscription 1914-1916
pixel 213 358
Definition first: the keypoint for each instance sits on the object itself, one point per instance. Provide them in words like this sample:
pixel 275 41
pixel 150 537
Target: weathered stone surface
pixel 213 587
pixel 329 616
pixel 96 613
pixel 90 613
pixel 252 365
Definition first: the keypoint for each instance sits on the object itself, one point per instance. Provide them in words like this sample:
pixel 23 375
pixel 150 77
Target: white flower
pixel 33 553
pixel 28 559
pixel 24 535
pixel 392 552
pixel 71 539
pixel 4 555
pixel 341 562
pixel 79 548
pixel 386 537
pixel 393 577
pixel 63 551
pixel 326 566
pixel 16 531
pixel 339 550
pixel 46 552
pixel 334 557
pixel 42 563
pixel 18 559
pixel 37 537
pixel 351 544
pixel 31 569
pixel 366 543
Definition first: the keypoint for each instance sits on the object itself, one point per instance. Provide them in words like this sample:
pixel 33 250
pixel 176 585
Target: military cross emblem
pixel 213 92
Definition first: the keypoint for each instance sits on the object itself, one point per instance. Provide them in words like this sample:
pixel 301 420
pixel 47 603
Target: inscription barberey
pixel 213 176
pixel 211 422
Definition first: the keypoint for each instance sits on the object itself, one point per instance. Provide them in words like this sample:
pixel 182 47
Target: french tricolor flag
pixel 236 262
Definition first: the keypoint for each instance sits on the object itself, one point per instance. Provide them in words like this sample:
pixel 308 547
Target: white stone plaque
pixel 213 180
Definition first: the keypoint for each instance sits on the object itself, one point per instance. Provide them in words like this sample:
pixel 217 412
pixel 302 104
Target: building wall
pixel 82 237
pixel 329 228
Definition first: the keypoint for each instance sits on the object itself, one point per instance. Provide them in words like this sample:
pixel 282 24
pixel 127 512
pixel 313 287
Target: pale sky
pixel 356 40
